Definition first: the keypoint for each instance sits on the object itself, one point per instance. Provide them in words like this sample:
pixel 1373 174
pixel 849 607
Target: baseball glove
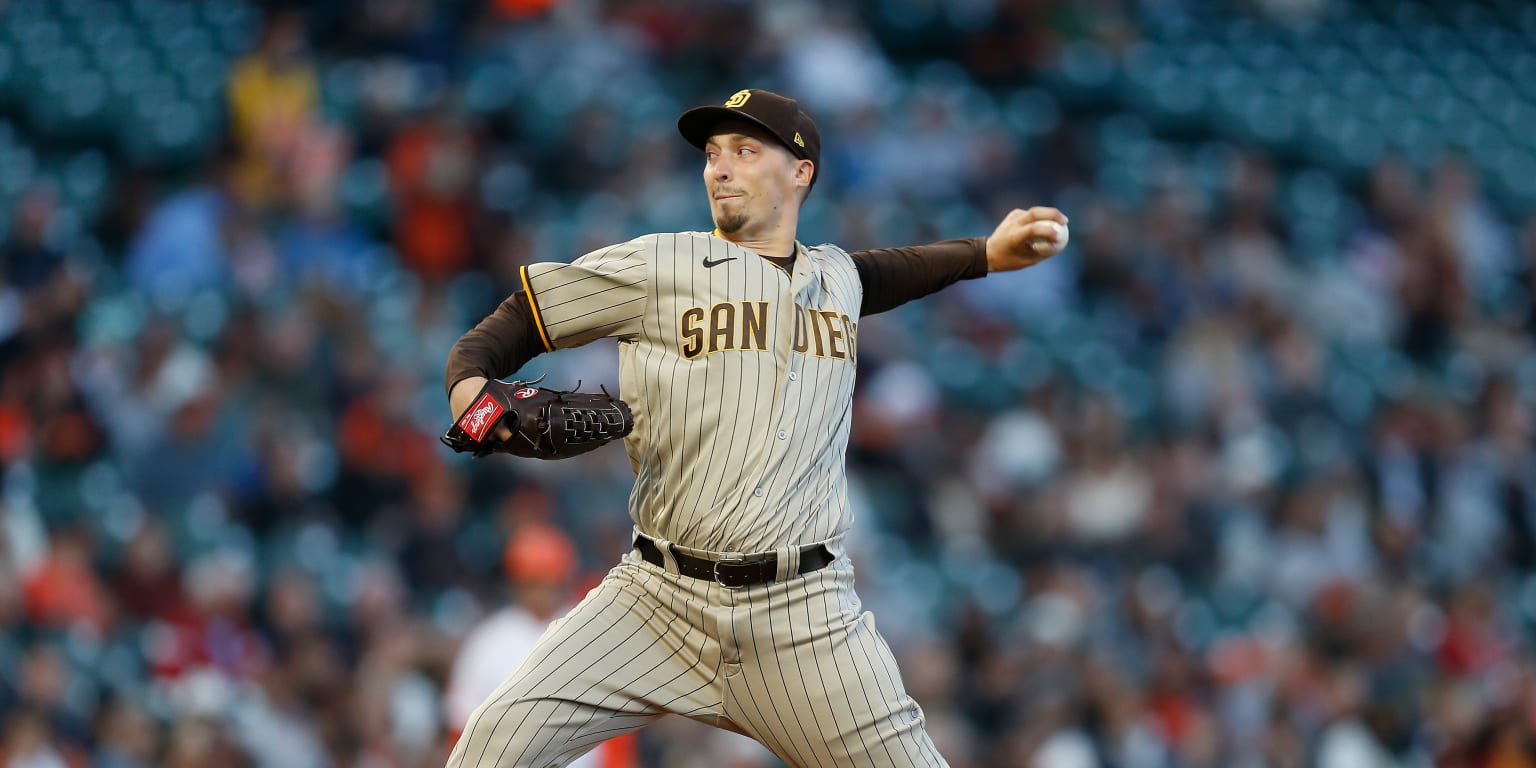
pixel 545 423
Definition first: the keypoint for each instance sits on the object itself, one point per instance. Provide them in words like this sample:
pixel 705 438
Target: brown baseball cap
pixel 779 115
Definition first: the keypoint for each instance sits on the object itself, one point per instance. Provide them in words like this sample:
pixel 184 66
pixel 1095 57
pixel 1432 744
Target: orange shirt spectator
pixel 432 170
pixel 63 590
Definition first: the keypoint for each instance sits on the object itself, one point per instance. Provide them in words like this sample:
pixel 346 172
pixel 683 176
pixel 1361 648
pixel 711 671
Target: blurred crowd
pixel 1206 490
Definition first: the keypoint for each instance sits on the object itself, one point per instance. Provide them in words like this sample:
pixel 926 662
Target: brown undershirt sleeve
pixel 895 276
pixel 498 346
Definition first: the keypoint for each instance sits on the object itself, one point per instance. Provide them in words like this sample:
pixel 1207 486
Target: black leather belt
pixel 735 572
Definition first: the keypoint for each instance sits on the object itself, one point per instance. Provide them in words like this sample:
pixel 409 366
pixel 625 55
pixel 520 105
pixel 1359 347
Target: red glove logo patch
pixel 525 393
pixel 479 418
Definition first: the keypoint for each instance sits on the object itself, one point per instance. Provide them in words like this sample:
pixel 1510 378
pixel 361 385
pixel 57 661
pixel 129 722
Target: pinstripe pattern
pixel 740 377
pixel 796 665
pixel 817 684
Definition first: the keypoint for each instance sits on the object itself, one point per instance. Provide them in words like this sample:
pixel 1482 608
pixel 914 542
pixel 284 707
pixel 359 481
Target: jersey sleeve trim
pixel 533 303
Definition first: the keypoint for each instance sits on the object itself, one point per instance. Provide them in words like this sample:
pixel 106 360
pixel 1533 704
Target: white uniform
pixel 741 380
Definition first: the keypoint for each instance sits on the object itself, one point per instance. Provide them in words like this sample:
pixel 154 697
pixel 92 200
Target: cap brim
pixel 698 124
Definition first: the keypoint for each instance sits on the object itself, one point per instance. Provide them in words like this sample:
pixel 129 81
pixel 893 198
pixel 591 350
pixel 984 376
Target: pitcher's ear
pixel 805 171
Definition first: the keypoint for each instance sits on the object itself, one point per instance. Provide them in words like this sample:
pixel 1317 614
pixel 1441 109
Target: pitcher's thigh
pixel 832 696
pixel 614 664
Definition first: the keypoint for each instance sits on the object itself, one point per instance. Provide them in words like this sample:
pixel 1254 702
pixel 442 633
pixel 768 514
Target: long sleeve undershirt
pixel 508 338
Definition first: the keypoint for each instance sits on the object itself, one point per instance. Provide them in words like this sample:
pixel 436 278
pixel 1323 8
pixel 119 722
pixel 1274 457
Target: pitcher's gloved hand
pixel 545 423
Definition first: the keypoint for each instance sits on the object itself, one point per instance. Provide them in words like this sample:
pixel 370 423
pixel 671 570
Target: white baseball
pixel 1058 239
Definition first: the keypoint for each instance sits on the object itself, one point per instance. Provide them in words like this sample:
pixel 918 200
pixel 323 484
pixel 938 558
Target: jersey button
pixel 757 492
pixel 793 376
pixel 783 434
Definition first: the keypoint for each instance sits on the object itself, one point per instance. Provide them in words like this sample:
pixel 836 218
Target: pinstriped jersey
pixel 740 377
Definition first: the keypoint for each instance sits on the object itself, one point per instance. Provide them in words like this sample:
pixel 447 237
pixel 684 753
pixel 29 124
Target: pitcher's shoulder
pixel 831 253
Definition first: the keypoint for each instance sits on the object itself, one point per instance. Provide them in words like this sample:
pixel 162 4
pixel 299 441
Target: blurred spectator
pixel 396 708
pixel 1466 222
pixel 68 434
pixel 434 166
pixel 29 263
pixel 279 722
pixel 1107 493
pixel 1350 741
pixel 189 460
pixel 147 584
pixel 41 296
pixel 127 737
pixel 1433 296
pixel 319 247
pixel 432 543
pixel 292 608
pixel 46 687
pixel 829 39
pixel 214 644
pixel 196 742
pixel 28 742
pixel 64 592
pixel 1507 430
pixel 385 456
pixel 1319 542
pixel 181 248
pixel 273 95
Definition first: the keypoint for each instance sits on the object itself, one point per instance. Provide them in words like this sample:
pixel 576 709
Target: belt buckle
pixel 729 558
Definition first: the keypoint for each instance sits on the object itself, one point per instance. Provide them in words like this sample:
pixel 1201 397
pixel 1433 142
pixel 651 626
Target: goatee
pixel 730 222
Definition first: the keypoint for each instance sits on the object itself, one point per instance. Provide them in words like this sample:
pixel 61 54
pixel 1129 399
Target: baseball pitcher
pixel 738 346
